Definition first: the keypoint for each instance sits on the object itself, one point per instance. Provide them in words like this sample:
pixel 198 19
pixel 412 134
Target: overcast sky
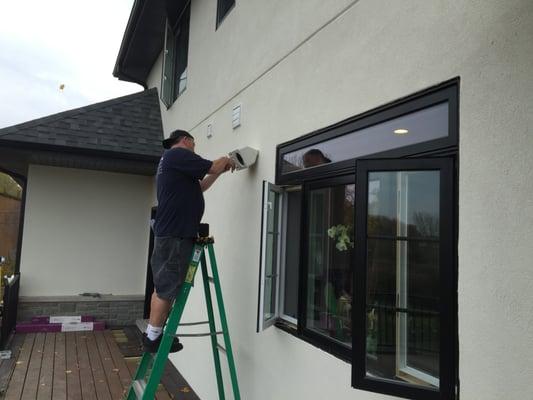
pixel 44 44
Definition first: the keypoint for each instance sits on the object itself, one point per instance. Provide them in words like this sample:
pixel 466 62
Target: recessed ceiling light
pixel 401 131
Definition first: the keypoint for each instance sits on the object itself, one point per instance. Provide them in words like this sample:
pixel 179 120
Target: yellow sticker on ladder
pixel 190 273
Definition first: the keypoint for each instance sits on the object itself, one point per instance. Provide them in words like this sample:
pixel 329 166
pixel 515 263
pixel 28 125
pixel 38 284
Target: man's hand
pixel 220 165
pixel 230 165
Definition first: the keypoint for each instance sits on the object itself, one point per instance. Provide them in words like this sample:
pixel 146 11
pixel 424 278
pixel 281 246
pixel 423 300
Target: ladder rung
pixel 211 279
pixel 199 334
pixel 138 388
pixel 193 323
pixel 221 348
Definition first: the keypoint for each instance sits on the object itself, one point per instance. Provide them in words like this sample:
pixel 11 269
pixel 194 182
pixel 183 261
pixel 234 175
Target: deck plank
pixel 8 366
pixel 72 368
pixel 44 389
pixel 88 389
pixel 110 370
pixel 16 384
pixel 59 388
pixel 118 360
pixel 102 390
pixel 31 383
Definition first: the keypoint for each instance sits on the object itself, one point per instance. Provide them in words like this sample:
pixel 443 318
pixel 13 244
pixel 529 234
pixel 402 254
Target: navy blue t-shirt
pixel 179 196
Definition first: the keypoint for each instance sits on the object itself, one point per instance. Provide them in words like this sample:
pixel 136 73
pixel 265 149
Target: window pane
pixel 168 68
pixel 269 305
pixel 422 334
pixel 330 252
pixel 416 190
pixel 182 53
pixel 292 254
pixel 271 254
pixel 418 127
pixel 273 211
pixel 403 332
pixel 270 257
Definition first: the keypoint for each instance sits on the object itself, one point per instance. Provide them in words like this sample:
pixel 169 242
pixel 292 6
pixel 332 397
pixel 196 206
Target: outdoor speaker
pixel 243 158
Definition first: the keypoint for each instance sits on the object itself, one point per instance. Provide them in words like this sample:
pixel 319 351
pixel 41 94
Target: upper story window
pixel 175 56
pixel 359 244
pixel 223 8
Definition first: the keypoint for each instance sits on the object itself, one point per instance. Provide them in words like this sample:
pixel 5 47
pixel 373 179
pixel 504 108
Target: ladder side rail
pixel 224 323
pixel 212 328
pixel 140 374
pixel 171 326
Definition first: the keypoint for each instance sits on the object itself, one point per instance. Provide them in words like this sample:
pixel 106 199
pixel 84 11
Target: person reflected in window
pixel 314 157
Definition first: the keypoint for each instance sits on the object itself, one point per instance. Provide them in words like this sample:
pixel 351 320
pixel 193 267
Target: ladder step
pixel 221 348
pixel 138 388
pixel 199 334
pixel 211 279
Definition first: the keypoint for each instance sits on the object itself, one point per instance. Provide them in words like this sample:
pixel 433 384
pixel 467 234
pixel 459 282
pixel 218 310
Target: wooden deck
pixel 73 365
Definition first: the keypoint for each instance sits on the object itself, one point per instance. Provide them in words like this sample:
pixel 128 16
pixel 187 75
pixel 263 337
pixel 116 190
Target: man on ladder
pixel 181 181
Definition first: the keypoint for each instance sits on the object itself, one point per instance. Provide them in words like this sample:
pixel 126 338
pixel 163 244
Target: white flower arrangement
pixel 340 234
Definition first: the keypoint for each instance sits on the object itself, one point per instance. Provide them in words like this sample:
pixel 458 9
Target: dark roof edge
pixel 131 26
pixel 79 150
pixel 69 113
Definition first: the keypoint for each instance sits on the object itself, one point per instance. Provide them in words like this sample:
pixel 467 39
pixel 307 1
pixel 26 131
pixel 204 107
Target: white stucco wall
pixel 85 231
pixel 374 53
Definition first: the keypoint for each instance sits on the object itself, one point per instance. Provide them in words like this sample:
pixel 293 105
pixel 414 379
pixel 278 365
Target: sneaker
pixel 151 346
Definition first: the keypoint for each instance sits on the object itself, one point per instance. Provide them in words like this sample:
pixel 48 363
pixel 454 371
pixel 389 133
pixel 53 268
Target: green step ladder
pixel 152 365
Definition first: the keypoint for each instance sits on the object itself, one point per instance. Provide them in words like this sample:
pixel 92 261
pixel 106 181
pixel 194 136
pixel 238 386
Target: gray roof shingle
pixel 128 125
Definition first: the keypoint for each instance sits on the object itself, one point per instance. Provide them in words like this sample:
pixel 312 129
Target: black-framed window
pixel 398 163
pixel 175 58
pixel 223 8
pixel 404 271
pixel 326 281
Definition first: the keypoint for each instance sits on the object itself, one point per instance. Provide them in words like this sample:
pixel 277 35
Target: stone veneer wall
pixel 116 311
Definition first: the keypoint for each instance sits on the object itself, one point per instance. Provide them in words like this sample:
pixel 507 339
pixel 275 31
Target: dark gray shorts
pixel 170 261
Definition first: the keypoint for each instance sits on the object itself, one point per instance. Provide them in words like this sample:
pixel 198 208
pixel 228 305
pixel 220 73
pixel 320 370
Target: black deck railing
pixel 9 309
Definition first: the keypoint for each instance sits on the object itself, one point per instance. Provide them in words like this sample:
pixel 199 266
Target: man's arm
pixel 219 166
pixel 208 181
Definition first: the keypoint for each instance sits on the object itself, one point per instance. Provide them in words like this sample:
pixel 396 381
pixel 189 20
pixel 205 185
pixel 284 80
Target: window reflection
pixel 314 157
pixel 330 252
pixel 403 276
pixel 417 127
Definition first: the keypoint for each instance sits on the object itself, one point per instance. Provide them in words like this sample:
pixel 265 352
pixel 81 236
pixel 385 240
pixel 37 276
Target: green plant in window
pixel 341 234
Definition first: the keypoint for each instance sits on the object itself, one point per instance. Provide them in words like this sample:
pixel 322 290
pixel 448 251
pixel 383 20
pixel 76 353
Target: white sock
pixel 153 332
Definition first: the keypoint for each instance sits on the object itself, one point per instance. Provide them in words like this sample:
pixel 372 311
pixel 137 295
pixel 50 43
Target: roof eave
pixel 141 43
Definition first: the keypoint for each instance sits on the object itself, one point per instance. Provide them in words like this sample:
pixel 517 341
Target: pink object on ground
pixel 60 319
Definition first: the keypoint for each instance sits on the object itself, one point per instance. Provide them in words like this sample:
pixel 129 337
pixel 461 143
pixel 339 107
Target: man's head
pixel 179 138
pixel 314 157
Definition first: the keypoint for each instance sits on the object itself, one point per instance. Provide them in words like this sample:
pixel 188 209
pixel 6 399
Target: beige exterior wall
pixel 85 231
pixel 295 68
